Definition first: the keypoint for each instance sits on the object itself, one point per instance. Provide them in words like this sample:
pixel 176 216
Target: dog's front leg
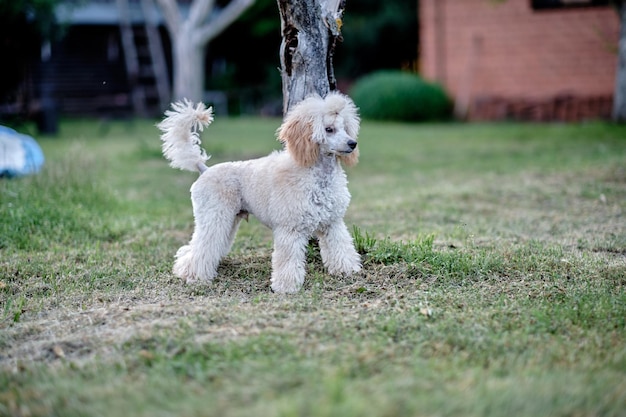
pixel 288 261
pixel 337 250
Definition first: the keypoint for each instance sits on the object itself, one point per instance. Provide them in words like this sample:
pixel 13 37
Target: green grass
pixel 493 284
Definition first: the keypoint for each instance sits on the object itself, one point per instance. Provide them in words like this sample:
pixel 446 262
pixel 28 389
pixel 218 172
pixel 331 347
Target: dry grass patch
pixel 493 282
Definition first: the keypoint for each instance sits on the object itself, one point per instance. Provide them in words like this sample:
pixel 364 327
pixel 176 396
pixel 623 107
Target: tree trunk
pixel 619 99
pixel 188 65
pixel 310 30
pixel 190 35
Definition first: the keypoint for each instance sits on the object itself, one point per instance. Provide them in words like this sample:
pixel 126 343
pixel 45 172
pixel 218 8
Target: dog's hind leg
pixel 337 250
pixel 232 234
pixel 216 224
pixel 198 261
pixel 288 261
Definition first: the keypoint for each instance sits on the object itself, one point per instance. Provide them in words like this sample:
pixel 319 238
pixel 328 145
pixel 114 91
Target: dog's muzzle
pixel 348 147
pixel 351 146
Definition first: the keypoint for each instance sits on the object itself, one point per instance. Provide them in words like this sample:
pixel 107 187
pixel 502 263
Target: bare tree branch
pixel 227 16
pixel 190 35
pixel 199 11
pixel 171 14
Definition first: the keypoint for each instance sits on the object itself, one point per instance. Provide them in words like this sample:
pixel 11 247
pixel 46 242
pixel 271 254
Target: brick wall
pixel 506 60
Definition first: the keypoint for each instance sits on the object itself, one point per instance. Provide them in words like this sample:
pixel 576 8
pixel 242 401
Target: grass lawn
pixel 494 281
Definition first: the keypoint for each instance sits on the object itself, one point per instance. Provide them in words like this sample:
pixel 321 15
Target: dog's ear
pixel 296 133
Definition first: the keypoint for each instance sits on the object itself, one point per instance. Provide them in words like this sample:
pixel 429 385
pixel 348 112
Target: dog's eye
pixel 330 129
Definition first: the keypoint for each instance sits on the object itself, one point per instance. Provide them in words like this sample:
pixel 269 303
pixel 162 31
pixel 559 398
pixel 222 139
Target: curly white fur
pixel 181 140
pixel 299 193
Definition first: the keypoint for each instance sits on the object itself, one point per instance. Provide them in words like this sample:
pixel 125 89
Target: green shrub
pixel 400 96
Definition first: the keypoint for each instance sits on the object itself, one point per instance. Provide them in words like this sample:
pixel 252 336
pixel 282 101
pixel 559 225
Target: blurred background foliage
pixel 376 35
pixel 243 62
pixel 32 20
pixel 400 96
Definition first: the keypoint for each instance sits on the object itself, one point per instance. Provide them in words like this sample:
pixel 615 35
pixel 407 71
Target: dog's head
pixel 318 125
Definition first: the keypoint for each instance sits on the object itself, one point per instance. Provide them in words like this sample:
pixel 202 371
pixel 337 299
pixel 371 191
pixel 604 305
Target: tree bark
pixel 310 30
pixel 619 96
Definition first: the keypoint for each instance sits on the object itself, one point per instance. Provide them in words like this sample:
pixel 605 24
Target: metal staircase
pixel 145 60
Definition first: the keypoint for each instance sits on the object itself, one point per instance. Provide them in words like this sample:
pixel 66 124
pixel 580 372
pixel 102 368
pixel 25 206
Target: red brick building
pixel 521 59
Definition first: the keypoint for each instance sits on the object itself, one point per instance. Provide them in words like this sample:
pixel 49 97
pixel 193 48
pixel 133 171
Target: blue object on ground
pixel 19 154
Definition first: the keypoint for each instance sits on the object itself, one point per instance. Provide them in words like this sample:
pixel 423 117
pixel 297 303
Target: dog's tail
pixel 181 139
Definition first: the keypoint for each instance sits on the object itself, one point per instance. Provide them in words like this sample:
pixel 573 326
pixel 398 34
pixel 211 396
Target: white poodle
pixel 299 192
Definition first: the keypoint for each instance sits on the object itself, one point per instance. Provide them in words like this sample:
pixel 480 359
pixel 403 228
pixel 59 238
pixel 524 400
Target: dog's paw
pixel 281 288
pixel 191 280
pixel 189 269
pixel 355 269
pixel 286 284
pixel 345 268
pixel 189 276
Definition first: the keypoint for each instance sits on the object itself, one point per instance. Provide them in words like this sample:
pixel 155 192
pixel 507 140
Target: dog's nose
pixel 352 144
